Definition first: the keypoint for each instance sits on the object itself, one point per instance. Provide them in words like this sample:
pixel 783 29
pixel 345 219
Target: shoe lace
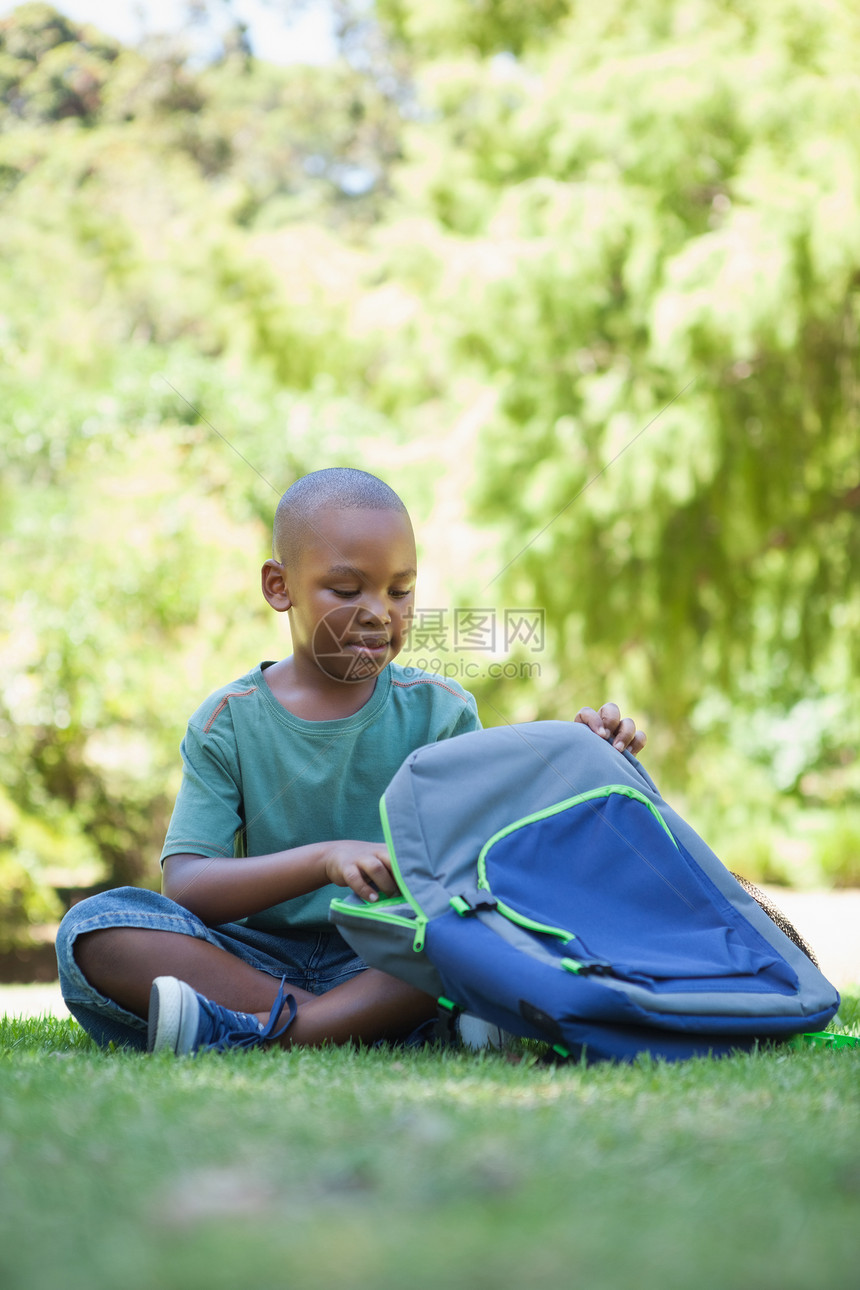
pixel 222 1028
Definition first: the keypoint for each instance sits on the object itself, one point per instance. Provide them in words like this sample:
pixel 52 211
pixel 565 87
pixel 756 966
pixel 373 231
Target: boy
pixel 292 753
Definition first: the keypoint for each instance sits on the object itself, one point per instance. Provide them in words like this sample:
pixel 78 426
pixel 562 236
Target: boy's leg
pixel 122 963
pixel 371 1006
pixel 107 961
pixel 111 948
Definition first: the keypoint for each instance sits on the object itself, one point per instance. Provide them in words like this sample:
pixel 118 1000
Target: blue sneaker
pixel 183 1021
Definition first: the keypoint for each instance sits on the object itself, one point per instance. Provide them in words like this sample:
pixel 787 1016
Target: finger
pixel 388 880
pixel 359 882
pixel 588 717
pixel 379 875
pixel 624 734
pixel 628 740
pixel 610 715
pixel 378 868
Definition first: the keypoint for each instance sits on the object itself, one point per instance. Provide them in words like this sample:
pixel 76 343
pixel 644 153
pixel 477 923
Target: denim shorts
pixel 313 958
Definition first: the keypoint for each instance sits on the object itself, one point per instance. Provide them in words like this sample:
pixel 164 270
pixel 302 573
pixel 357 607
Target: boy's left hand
pixel 620 731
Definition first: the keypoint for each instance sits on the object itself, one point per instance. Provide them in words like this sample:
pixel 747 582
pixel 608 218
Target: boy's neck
pixel 314 696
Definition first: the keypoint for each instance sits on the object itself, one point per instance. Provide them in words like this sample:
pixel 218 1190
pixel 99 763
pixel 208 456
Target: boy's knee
pixel 88 929
pixel 70 929
pixel 88 951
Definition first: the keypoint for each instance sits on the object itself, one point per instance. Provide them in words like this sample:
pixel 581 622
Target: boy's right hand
pixel 364 867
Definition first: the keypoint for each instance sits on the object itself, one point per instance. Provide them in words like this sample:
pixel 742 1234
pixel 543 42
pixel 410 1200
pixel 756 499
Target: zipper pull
pixel 594 967
pixel 418 939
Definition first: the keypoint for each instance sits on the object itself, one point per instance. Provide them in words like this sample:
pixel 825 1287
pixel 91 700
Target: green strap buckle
pixel 824 1039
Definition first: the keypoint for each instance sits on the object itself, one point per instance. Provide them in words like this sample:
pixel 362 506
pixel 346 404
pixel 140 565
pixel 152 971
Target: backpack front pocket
pixel 624 893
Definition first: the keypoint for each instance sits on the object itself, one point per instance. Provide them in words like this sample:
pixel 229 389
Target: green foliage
pixel 840 850
pixel 484 26
pixel 300 143
pixel 52 68
pixel 847 1020
pixel 582 282
pixel 26 901
pixel 92 715
pixel 722 538
pixel 671 463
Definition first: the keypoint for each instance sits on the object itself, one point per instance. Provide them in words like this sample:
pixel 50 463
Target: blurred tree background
pixel 582 282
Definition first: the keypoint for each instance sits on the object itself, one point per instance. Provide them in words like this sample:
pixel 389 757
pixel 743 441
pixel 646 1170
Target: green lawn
pixel 401 1170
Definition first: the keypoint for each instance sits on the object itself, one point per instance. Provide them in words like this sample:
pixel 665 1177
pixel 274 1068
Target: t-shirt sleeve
pixel 207 817
pixel 468 719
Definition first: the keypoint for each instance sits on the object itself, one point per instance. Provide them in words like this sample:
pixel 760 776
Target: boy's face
pixel 352 591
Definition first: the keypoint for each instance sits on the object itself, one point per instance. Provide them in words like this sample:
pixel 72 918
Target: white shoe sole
pixel 476 1034
pixel 173 1016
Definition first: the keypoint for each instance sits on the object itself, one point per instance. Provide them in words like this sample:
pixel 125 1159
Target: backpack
pixel 548 889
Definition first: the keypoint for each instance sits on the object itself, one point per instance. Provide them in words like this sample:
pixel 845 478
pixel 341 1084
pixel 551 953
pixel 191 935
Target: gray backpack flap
pixel 548 888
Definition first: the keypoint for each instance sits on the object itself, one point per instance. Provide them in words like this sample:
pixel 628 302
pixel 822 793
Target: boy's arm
pixel 220 890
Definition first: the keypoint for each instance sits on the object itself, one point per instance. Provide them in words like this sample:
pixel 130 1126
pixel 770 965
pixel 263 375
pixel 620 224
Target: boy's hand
pixel 364 867
pixel 609 724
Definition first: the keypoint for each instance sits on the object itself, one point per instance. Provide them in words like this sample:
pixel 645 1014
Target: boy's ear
pixel 274 585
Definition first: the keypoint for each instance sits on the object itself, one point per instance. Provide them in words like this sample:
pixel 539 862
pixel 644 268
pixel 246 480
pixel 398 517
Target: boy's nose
pixel 377 609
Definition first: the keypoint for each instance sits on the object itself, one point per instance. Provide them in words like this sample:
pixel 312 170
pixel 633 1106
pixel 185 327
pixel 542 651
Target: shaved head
pixel 336 488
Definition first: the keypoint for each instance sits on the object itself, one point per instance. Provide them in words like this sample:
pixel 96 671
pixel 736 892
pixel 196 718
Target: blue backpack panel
pixel 548 889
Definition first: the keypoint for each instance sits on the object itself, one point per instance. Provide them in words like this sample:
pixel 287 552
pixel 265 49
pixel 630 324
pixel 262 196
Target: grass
pixel 380 1169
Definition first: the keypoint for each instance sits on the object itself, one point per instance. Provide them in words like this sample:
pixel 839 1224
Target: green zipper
pixel 531 926
pixel 548 811
pixel 374 911
pixel 420 916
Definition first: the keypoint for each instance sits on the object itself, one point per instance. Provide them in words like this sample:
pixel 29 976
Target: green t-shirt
pixel 257 779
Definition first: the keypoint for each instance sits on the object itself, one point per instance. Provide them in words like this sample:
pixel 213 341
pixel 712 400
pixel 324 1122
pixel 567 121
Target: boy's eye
pixel 396 592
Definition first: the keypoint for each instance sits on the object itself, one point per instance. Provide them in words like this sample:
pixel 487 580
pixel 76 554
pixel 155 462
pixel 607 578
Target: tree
pixel 159 374
pixel 663 206
pixel 582 283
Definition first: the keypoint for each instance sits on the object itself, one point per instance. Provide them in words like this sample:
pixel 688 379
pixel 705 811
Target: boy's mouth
pixel 370 644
